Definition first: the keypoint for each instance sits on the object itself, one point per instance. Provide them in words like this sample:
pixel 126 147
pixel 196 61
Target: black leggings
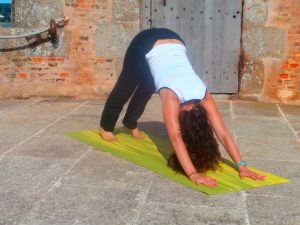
pixel 135 80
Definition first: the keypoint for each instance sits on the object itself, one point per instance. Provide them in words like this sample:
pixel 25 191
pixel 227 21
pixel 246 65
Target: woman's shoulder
pixel 167 94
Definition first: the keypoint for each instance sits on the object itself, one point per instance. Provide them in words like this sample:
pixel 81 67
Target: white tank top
pixel 171 69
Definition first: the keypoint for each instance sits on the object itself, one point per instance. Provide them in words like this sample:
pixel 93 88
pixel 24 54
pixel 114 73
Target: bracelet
pixel 236 166
pixel 192 173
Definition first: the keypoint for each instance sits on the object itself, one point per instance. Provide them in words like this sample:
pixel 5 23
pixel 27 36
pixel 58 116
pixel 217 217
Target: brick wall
pixel 89 54
pixel 271 47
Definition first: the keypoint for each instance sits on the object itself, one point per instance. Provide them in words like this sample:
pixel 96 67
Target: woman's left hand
pixel 244 172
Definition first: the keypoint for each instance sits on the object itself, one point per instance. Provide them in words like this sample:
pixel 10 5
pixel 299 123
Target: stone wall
pixel 271 51
pixel 88 57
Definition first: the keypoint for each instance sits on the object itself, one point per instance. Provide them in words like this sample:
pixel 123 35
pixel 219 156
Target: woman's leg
pixel 123 89
pixel 139 101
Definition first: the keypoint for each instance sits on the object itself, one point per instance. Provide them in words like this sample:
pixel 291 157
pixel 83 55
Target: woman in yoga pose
pixel 156 60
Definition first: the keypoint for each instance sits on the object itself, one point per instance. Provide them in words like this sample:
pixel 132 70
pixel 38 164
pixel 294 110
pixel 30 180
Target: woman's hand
pixel 244 172
pixel 200 179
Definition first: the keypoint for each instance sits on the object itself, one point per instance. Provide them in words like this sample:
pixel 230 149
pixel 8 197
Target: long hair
pixel 198 137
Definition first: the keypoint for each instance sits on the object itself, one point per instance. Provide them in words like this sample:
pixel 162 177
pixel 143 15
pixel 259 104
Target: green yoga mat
pixel 153 153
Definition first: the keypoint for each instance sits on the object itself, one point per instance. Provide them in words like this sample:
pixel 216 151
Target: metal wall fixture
pixel 164 2
pixel 51 31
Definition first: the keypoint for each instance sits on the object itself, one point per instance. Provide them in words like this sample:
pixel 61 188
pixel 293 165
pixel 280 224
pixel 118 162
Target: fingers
pixel 261 177
pixel 256 176
pixel 210 182
pixel 252 175
pixel 199 179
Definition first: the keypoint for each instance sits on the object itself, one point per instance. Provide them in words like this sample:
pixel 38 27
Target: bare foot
pixel 136 133
pixel 107 136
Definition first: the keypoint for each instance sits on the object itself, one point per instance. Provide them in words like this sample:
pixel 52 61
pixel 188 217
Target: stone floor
pixel 48 179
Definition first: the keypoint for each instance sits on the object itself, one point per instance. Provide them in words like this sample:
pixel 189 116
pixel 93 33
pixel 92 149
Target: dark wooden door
pixel 212 32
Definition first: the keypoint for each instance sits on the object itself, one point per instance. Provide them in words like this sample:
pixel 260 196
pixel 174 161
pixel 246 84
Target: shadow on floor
pixel 158 134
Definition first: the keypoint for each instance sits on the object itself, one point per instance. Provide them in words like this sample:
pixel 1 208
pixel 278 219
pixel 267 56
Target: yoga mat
pixel 153 153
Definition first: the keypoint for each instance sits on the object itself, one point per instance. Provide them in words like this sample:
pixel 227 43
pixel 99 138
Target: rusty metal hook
pixel 53 30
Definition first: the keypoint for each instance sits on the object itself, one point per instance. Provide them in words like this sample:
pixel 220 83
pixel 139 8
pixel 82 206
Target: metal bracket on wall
pixel 150 22
pixel 35 35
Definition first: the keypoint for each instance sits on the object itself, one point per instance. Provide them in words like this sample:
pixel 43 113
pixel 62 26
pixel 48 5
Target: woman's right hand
pixel 200 179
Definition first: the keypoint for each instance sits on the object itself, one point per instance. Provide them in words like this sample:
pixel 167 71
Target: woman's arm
pixel 171 109
pixel 225 138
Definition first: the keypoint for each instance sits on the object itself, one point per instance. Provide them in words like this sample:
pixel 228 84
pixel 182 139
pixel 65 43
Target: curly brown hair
pixel 198 137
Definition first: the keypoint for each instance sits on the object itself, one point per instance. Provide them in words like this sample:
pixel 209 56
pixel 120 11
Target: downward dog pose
pixel 156 60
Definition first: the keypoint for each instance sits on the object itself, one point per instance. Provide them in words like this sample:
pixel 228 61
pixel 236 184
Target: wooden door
pixel 211 30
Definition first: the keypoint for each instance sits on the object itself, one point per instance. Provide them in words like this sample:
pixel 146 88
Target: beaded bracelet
pixel 236 166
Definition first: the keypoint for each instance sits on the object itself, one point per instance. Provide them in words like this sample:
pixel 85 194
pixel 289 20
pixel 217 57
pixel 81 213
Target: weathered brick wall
pixel 88 57
pixel 271 47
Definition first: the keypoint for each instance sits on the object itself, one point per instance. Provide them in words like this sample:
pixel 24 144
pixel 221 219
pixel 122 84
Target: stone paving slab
pixel 280 168
pixel 12 133
pixel 152 126
pixel 45 112
pixel 176 215
pixel 227 120
pixel 290 111
pixel 165 191
pixel 295 124
pixel 24 180
pixel 68 124
pixel 224 105
pixel 5 145
pixel 150 115
pixel 30 174
pixel 256 109
pixel 15 206
pixel 9 105
pixel 96 102
pixel 102 169
pixel 87 111
pixel 50 147
pixel 262 127
pixel 47 178
pixel 269 148
pixel 273 211
pixel 70 205
pixel 63 101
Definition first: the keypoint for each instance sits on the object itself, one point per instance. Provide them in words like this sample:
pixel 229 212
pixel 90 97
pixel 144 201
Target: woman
pixel 156 61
